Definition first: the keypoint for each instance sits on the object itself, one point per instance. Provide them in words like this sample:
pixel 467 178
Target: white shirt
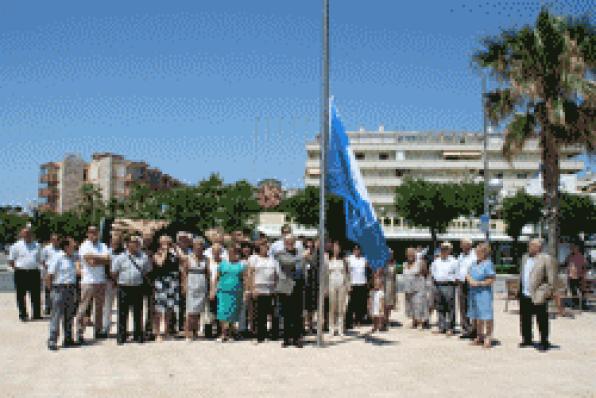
pixel 278 246
pixel 528 266
pixel 129 273
pixel 63 269
pixel 265 269
pixel 48 252
pixel 337 273
pixel 91 275
pixel 445 270
pixel 25 255
pixel 208 252
pixel 357 267
pixel 465 261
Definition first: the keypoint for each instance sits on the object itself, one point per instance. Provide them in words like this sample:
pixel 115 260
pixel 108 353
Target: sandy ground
pixel 402 362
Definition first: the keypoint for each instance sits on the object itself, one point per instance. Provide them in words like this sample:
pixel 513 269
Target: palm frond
pixel 520 129
pixel 500 104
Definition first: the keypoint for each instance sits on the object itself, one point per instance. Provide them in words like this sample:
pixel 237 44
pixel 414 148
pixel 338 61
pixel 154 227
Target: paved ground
pixel 402 362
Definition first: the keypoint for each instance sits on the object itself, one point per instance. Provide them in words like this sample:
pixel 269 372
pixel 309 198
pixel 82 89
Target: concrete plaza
pixel 402 362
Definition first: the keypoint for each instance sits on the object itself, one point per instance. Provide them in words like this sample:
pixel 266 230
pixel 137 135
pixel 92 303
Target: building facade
pixel 386 158
pixel 115 176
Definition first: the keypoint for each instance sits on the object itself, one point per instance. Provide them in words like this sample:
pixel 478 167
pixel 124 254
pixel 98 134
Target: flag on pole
pixel 344 179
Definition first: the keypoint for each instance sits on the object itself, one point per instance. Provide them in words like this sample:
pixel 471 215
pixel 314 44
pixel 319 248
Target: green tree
pixel 428 204
pixel 238 206
pixel 519 210
pixel 578 215
pixel 91 205
pixel 545 93
pixel 10 225
pixel 470 198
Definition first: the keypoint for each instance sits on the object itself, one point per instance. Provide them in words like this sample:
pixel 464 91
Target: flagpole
pixel 323 136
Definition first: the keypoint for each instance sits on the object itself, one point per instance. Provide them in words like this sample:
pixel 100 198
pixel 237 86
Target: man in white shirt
pixel 95 257
pixel 466 258
pixel 444 271
pixel 358 300
pixel 24 258
pixel 279 246
pixel 47 254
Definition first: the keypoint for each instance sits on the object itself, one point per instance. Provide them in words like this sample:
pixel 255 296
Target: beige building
pixel 385 158
pixel 60 182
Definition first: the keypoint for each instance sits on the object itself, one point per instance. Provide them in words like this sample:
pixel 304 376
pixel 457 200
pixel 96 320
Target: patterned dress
pixel 229 291
pixel 196 285
pixel 167 284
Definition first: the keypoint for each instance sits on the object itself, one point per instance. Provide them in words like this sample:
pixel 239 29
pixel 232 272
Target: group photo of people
pixel 237 287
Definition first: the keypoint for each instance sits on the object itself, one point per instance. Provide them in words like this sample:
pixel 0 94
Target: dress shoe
pixel 139 340
pixel 52 346
pixel 298 344
pixel 543 347
pixel 120 341
pixel 68 343
pixel 525 344
pixel 23 318
pixel 101 336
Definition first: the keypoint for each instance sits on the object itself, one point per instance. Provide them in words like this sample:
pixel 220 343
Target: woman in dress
pixel 481 276
pixel 411 270
pixel 196 271
pixel 423 293
pixel 229 281
pixel 337 290
pixel 167 285
pixel 390 289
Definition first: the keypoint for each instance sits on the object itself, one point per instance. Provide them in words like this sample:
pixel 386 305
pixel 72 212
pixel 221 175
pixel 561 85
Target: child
pixel 61 280
pixel 376 304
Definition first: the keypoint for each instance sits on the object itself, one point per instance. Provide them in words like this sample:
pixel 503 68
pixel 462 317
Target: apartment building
pixel 385 158
pixel 61 182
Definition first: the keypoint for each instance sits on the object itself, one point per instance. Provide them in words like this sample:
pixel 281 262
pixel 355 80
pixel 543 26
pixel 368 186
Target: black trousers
pixel 28 281
pixel 292 306
pixel 149 309
pixel 130 297
pixel 574 288
pixel 357 305
pixel 263 308
pixel 527 309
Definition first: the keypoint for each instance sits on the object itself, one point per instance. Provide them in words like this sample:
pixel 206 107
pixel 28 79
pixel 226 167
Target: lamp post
pixel 485 219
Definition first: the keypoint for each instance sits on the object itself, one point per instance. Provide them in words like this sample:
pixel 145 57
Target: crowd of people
pixel 234 287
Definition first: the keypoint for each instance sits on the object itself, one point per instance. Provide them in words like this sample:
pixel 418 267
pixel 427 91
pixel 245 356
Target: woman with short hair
pixel 196 274
pixel 481 276
pixel 167 285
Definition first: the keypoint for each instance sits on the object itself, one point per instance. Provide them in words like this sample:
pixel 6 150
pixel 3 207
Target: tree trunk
pixel 433 237
pixel 550 178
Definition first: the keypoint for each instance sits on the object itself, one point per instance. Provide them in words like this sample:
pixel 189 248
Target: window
pixel 398 173
pixel 359 155
pixel 522 176
pixel 400 155
pixel 383 156
pixel 499 175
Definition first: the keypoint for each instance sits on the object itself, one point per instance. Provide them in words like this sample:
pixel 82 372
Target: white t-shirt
pixel 91 275
pixel 278 246
pixel 337 273
pixel 357 267
pixel 26 256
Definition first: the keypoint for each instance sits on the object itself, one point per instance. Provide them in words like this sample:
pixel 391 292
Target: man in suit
pixel 537 280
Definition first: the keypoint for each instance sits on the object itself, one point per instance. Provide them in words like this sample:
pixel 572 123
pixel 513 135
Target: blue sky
pixel 195 87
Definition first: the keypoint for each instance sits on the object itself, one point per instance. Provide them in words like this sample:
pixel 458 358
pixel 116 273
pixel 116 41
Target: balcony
pixel 50 178
pixel 47 192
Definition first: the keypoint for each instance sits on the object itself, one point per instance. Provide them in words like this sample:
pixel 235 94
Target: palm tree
pixel 547 92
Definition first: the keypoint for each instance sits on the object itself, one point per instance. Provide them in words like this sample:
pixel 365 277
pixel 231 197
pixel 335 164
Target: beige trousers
pixel 97 292
pixel 337 308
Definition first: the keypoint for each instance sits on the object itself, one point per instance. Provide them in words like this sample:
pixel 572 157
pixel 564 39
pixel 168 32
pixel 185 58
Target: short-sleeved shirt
pixel 445 270
pixel 97 274
pixel 130 274
pixel 26 256
pixel 48 252
pixel 265 269
pixel 291 265
pixel 208 252
pixel 63 269
pixel 357 268
pixel 230 277
pixel 465 261
pixel 480 271
pixel 337 272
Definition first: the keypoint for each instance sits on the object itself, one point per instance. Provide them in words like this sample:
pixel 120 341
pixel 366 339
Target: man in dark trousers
pixel 129 270
pixel 537 280
pixel 24 258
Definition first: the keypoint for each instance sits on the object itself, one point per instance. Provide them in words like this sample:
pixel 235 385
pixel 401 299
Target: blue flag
pixel 343 179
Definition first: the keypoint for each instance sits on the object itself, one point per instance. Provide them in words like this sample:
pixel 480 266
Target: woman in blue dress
pixel 481 277
pixel 229 282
